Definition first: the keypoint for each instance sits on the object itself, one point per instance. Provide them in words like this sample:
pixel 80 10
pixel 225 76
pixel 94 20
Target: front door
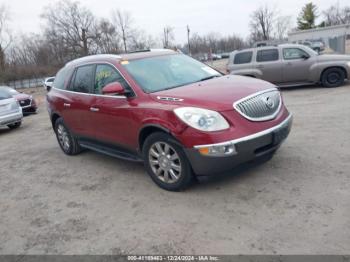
pixel 113 118
pixel 296 65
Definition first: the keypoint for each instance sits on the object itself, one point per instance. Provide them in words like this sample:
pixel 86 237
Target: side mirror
pixel 305 56
pixel 114 88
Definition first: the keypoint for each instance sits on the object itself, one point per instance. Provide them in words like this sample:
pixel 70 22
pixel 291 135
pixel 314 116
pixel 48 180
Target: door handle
pixel 66 105
pixel 289 63
pixel 94 109
pixel 259 66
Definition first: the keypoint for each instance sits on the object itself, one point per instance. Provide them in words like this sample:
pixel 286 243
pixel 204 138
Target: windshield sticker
pixel 209 70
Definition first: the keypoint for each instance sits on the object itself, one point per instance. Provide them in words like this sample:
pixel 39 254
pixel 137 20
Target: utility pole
pixel 166 37
pixel 84 39
pixel 188 40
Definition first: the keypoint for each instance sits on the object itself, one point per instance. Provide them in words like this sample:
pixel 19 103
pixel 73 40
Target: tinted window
pixel 106 74
pixel 4 94
pixel 293 53
pixel 61 79
pixel 83 79
pixel 267 55
pixel 243 58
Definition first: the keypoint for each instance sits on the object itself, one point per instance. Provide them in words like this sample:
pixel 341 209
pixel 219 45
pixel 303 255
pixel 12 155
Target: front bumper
pixel 11 119
pixel 247 149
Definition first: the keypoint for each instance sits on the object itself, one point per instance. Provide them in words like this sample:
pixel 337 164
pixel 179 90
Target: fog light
pixel 219 150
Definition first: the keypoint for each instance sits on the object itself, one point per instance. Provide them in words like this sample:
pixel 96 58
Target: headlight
pixel 15 105
pixel 202 119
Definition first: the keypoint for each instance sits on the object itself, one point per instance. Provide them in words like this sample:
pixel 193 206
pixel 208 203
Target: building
pixel 336 38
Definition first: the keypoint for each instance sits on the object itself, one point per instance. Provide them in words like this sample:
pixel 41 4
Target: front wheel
pixel 333 77
pixel 15 125
pixel 166 162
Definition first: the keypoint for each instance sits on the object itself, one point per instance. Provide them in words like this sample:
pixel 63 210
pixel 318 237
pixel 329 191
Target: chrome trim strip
pixel 98 63
pixel 250 137
pixel 259 119
pixel 87 94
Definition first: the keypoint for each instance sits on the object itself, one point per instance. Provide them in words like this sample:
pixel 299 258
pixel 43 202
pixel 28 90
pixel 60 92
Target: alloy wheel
pixel 63 137
pixel 165 162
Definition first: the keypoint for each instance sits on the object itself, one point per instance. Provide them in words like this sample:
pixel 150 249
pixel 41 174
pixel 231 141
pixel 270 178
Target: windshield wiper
pixel 208 77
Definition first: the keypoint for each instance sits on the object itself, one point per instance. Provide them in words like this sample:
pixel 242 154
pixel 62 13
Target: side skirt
pixel 110 150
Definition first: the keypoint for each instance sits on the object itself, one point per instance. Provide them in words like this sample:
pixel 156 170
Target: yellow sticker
pixel 124 62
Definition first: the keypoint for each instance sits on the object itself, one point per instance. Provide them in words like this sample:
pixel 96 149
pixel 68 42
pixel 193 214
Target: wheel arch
pixel 54 118
pixel 148 129
pixel 338 67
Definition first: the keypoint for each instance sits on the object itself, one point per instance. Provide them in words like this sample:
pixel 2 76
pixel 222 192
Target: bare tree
pixel 168 36
pixel 123 22
pixel 107 38
pixel 336 15
pixel 262 21
pixel 72 25
pixel 282 26
pixel 5 35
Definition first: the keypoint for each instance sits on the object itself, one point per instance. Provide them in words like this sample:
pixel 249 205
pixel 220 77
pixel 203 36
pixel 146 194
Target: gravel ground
pixel 298 202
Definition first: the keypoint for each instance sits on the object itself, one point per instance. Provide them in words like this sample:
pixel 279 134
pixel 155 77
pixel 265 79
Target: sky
pixel 203 16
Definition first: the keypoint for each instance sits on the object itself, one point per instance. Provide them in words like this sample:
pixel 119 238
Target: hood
pixel 21 96
pixel 217 94
pixel 333 57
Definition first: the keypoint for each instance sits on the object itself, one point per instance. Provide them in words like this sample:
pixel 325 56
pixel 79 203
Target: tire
pixel 333 77
pixel 163 154
pixel 15 125
pixel 66 140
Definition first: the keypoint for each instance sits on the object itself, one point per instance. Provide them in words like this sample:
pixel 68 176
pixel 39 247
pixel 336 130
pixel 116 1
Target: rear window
pixel 61 79
pixel 267 55
pixel 4 94
pixel 243 58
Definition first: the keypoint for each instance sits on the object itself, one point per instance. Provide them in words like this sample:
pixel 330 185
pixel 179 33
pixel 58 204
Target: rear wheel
pixel 333 77
pixel 66 140
pixel 15 125
pixel 166 162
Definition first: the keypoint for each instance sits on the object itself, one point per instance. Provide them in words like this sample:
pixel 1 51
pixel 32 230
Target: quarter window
pixel 243 58
pixel 267 55
pixel 106 74
pixel 83 79
pixel 61 78
pixel 293 53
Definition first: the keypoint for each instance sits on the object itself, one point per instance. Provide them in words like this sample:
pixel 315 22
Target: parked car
pixel 174 113
pixel 27 102
pixel 290 65
pixel 318 46
pixel 10 111
pixel 48 83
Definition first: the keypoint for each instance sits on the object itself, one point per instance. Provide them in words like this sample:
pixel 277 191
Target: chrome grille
pixel 261 106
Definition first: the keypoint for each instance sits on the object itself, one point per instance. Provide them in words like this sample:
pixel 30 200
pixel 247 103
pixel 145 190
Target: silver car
pixel 290 65
pixel 10 111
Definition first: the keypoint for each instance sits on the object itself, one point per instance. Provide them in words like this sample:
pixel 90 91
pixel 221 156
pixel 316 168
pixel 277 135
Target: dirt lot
pixel 298 202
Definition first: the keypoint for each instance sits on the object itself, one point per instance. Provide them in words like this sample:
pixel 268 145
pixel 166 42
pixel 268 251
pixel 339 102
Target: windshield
pixel 166 72
pixel 12 91
pixel 4 94
pixel 310 50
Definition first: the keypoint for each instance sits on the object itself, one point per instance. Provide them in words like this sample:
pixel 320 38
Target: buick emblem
pixel 268 102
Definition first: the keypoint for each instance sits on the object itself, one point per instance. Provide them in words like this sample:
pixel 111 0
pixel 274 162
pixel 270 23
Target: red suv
pixel 177 115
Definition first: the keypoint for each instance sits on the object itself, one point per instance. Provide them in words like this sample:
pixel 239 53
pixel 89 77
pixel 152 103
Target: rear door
pixel 296 68
pixel 113 118
pixel 269 63
pixel 78 100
